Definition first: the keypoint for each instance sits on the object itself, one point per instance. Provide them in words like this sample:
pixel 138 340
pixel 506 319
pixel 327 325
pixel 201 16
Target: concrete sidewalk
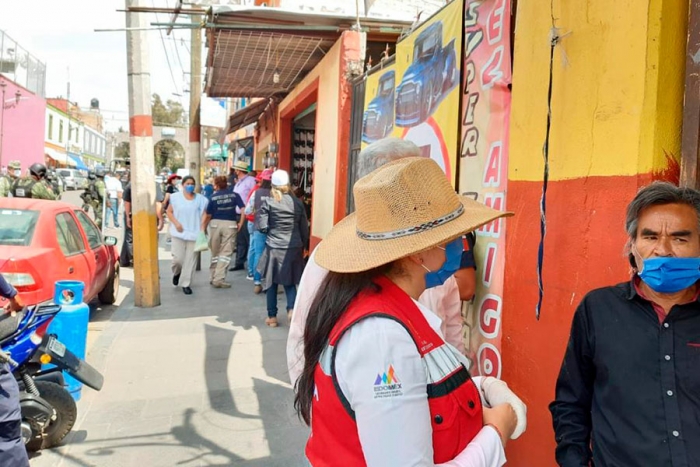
pixel 198 381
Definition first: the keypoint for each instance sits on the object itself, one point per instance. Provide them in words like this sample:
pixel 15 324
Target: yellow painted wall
pixel 327 117
pixel 616 89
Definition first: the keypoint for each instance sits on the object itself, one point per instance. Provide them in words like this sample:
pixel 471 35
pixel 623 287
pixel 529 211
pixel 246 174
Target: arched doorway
pixel 169 153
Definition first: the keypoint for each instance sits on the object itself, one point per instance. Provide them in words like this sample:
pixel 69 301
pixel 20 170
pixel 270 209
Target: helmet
pixel 14 165
pixel 38 170
pixel 100 172
pixel 91 175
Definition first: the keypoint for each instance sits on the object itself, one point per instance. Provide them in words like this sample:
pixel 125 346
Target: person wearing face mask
pixel 14 172
pixel 445 290
pixel 379 385
pixel 629 388
pixel 187 215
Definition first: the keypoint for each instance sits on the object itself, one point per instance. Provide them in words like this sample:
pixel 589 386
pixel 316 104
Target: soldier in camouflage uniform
pixel 34 185
pixel 14 171
pixel 95 194
pixel 55 182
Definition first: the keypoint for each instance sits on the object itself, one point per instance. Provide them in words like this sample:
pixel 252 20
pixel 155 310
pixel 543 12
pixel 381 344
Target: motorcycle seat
pixel 9 324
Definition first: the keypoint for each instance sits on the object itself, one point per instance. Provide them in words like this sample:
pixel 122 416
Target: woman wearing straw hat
pixel 383 387
pixel 283 219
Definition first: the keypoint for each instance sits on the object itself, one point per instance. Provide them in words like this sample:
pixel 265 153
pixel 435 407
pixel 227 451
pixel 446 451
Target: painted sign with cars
pixel 415 95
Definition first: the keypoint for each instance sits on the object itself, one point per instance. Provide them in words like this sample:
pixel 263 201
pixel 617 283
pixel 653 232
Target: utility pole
pixel 143 186
pixel 193 159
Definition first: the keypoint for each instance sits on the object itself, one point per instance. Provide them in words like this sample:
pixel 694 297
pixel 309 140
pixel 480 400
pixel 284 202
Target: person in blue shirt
pixel 224 222
pixel 187 215
pixel 208 189
pixel 12 451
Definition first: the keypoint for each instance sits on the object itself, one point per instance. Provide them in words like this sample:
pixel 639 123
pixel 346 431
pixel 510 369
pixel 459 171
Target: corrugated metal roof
pixel 247 46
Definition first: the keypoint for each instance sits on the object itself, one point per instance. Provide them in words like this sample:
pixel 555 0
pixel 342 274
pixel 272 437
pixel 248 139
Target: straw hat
pixel 404 207
pixel 240 165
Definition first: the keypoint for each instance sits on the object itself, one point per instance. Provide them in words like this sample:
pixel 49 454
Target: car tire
pixel 66 414
pixel 108 295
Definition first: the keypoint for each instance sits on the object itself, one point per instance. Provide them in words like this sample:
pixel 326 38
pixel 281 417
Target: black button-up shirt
pixel 629 386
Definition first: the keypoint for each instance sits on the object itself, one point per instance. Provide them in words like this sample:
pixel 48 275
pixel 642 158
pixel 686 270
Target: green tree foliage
pixel 170 113
pixel 121 151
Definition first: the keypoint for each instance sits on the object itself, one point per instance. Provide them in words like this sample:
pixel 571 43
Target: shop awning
pixel 59 157
pixel 248 45
pixel 217 153
pixel 79 164
pixel 247 115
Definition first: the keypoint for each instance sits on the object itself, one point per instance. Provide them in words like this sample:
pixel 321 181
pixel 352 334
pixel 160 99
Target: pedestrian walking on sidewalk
pixel 283 219
pixel 257 239
pixel 223 223
pixel 115 192
pixel 249 223
pixel 186 213
pixel 366 325
pixel 243 187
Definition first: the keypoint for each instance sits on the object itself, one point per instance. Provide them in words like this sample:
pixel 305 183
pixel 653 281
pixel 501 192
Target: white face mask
pixel 18 173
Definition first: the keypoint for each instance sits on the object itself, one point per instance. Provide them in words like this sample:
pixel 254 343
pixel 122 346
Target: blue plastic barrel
pixel 71 324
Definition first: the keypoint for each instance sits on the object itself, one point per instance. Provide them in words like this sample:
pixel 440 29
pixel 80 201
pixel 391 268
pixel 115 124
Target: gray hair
pixel 659 193
pixel 382 152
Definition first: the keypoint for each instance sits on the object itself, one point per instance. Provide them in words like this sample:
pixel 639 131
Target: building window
pixel 50 127
pixel 60 132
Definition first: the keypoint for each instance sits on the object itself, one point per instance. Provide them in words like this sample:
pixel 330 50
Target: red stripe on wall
pixel 141 125
pixel 583 251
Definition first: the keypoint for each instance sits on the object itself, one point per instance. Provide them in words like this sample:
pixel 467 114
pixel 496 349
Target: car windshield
pixel 387 87
pixel 64 173
pixel 17 226
pixel 425 48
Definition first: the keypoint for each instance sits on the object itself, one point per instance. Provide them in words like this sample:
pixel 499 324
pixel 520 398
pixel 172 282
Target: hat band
pixel 412 230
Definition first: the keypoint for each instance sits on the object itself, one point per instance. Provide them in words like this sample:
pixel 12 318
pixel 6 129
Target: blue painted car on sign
pixel 378 120
pixel 431 76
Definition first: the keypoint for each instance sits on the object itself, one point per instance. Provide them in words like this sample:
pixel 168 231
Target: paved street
pixel 198 381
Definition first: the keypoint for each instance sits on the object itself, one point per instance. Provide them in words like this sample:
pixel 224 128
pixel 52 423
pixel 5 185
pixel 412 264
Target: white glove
pixel 496 392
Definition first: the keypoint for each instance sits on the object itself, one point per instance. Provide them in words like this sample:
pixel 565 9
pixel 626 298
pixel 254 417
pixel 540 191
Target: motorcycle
pixel 48 409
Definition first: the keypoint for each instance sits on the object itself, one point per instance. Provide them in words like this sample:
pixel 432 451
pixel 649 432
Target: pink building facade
pixel 22 126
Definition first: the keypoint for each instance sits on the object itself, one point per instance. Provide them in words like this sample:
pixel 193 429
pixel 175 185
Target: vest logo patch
pixel 387 385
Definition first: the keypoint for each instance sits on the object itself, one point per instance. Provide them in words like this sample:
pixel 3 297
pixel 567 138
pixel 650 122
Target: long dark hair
pixel 332 300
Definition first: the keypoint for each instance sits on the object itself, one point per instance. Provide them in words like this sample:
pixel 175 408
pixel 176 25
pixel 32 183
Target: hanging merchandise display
pixel 303 163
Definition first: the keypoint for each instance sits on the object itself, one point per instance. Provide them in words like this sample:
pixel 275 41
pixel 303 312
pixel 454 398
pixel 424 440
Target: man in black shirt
pixel 628 393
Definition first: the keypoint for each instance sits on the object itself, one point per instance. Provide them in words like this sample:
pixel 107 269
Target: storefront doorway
pixel 303 153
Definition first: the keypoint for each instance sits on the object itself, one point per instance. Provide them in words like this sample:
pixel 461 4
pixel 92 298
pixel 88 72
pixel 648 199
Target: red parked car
pixel 42 242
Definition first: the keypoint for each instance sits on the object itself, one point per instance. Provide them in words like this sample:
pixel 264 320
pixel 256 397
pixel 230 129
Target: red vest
pixel 250 217
pixel 455 405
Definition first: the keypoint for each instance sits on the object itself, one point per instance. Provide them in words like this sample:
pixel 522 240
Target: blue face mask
pixel 670 275
pixel 453 258
pixel 189 188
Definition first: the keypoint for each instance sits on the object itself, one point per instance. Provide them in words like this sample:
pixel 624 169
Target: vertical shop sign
pixel 417 97
pixel 484 164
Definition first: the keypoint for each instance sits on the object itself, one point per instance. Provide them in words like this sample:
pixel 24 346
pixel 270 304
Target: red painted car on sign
pixel 42 242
